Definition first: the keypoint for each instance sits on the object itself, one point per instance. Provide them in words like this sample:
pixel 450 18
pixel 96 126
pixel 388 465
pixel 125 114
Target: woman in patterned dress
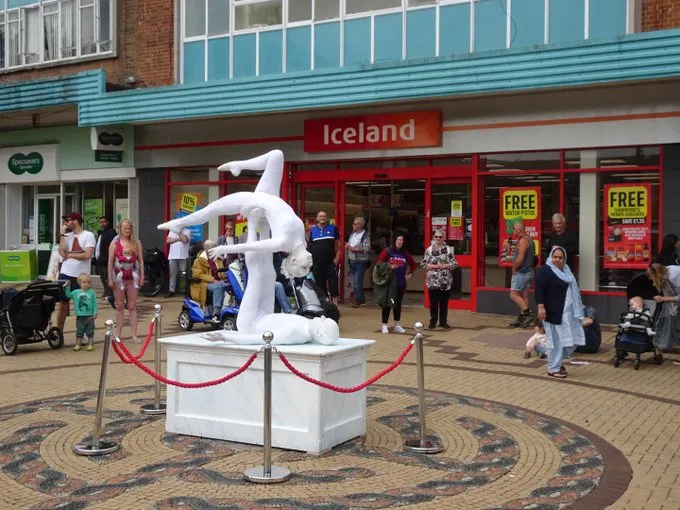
pixel 439 263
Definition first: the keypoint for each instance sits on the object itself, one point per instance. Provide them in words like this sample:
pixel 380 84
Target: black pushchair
pixel 25 316
pixel 634 337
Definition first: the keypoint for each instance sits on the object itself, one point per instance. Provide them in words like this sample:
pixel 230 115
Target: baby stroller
pixel 25 316
pixel 635 333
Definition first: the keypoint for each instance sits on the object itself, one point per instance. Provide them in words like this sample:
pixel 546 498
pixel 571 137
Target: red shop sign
pixel 371 132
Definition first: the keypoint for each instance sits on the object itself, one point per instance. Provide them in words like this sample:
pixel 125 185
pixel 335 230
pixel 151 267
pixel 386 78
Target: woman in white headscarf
pixel 561 310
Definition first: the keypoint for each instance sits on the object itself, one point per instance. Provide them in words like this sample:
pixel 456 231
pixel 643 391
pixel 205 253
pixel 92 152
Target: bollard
pixel 267 473
pixel 97 446
pixel 422 445
pixel 157 407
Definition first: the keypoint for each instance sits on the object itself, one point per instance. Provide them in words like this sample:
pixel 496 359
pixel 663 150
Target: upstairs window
pixel 48 32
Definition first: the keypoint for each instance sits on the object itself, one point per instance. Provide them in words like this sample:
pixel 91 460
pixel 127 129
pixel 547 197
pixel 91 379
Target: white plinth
pixel 305 417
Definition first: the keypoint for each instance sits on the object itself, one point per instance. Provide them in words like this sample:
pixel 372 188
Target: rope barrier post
pixel 157 407
pixel 267 473
pixel 97 446
pixel 422 445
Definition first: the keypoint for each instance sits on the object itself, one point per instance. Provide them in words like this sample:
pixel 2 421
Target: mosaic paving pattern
pixel 191 461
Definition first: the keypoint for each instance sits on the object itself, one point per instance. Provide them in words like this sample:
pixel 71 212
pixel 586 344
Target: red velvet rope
pixel 339 389
pixel 125 354
pixel 139 356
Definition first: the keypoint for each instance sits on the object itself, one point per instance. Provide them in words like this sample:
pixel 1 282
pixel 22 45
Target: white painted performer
pixel 271 216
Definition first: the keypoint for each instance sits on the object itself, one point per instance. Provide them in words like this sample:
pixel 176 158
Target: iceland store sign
pixel 374 132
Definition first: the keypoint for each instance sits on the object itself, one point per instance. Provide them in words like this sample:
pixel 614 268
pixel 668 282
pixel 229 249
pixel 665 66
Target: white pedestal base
pixel 305 417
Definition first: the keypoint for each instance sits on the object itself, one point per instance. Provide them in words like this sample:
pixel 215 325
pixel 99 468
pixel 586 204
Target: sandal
pixel 563 370
pixel 558 375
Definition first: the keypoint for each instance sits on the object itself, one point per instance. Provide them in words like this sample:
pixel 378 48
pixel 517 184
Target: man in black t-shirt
pixel 567 239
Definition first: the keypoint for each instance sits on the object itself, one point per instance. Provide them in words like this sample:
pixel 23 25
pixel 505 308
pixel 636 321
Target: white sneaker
pixel 384 329
pixel 399 329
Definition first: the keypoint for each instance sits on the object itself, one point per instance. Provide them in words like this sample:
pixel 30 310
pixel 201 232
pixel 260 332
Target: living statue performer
pixel 279 229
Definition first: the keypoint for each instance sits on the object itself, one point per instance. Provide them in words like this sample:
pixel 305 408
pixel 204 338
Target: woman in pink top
pixel 126 274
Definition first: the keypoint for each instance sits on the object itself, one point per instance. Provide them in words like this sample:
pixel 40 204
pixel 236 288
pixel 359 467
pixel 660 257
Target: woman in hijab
pixel 561 310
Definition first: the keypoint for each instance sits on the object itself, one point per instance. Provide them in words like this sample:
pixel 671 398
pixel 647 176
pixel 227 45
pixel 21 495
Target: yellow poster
pixel 457 208
pixel 188 203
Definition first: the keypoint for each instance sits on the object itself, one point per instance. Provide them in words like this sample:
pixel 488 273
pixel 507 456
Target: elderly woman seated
pixel 206 281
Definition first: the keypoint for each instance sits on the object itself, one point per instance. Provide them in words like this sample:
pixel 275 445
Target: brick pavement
pixel 603 438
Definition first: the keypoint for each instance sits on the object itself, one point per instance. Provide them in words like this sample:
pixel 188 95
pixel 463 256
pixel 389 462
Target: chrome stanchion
pixel 267 473
pixel 157 407
pixel 422 445
pixel 97 446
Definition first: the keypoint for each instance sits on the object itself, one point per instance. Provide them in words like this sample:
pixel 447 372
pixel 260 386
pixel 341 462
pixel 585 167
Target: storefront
pixel 43 181
pixel 462 166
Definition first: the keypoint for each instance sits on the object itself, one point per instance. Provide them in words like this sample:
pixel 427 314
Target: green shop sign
pixel 20 163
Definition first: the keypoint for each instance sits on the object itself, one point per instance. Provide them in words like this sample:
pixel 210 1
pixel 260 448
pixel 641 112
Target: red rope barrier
pixel 339 389
pixel 139 356
pixel 124 354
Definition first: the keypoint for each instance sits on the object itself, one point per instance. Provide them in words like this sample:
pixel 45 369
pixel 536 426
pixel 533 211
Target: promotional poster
pixel 628 226
pixel 518 204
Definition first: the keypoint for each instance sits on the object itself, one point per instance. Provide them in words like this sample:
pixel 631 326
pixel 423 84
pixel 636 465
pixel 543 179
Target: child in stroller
pixel 636 333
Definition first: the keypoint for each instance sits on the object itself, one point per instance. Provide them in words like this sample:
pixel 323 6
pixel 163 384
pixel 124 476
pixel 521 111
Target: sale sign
pixel 628 226
pixel 518 204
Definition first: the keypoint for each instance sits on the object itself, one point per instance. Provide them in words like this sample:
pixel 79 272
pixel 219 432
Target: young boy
pixel 537 342
pixel 85 304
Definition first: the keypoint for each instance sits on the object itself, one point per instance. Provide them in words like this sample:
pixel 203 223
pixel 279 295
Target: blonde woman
pixel 126 274
pixel 666 279
pixel 439 263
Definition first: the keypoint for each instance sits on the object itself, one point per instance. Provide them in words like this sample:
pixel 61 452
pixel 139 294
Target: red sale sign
pixel 518 204
pixel 628 226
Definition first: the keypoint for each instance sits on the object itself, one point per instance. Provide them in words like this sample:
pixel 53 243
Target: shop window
pixel 27 218
pixel 637 252
pixel 186 199
pixel 496 229
pixel 316 166
pixel 189 175
pixel 606 158
pixel 517 161
pixel 455 161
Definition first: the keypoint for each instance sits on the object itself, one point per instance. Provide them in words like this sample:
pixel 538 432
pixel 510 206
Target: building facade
pixel 417 114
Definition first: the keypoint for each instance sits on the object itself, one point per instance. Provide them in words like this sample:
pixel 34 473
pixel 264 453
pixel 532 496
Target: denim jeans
pixel 358 269
pixel 218 289
pixel 281 298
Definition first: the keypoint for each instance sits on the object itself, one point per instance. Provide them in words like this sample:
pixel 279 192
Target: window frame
pixel 59 59
pixel 342 17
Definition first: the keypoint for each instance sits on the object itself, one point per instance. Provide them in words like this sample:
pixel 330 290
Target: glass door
pixel 390 208
pixel 452 211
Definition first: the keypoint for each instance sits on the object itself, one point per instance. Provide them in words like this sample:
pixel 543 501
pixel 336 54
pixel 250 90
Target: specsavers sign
pixel 28 164
pixel 628 230
pixel 518 204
